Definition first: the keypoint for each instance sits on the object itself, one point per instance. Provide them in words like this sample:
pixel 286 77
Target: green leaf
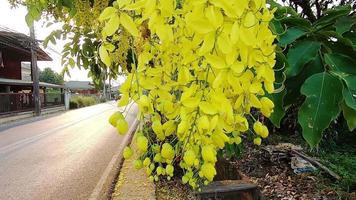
pixel 294 84
pixel 341 63
pixel 104 56
pixel 349 115
pixel 302 53
pixel 129 24
pixel 334 36
pixel 344 24
pixel 321 106
pixel 279 110
pixel 71 62
pixel 297 22
pixel 280 66
pixel 350 97
pixel 276 27
pixel 112 25
pixel 351 36
pixel 107 13
pixel 29 20
pixel 291 35
pixel 339 48
pixel 68 3
pixel 350 82
pixel 332 15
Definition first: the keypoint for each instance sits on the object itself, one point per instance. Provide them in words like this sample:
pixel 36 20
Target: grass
pixel 337 151
pixel 339 154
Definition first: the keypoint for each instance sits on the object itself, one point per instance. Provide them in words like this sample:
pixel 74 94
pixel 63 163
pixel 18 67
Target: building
pixel 16 83
pixel 81 88
pixel 26 74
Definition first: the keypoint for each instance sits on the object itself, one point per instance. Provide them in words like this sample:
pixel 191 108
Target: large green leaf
pixel 349 115
pixel 279 110
pixel 334 36
pixel 350 82
pixel 291 35
pixel 302 53
pixel 351 36
pixel 321 106
pixel 297 22
pixel 294 84
pixel 276 27
pixel 344 24
pixel 339 48
pixel 279 67
pixel 341 63
pixel 350 97
pixel 331 16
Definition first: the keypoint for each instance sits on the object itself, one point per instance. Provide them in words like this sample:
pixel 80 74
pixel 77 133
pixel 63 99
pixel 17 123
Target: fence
pixel 52 99
pixel 20 102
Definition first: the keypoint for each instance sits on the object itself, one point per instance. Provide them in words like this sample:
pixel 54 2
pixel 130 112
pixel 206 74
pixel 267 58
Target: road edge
pixel 103 188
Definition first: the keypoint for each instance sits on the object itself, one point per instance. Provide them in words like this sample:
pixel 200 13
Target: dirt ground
pixel 275 179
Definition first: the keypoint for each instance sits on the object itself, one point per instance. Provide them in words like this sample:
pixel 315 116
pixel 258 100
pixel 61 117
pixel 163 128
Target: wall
pixel 12 64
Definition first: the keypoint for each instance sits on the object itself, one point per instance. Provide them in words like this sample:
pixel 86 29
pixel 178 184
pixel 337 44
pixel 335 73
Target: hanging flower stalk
pixel 198 68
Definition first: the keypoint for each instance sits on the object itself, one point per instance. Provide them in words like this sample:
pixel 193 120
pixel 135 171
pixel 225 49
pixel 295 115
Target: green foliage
pixel 321 106
pixel 279 111
pixel 291 35
pixel 82 101
pixel 301 54
pixel 338 155
pixel 82 31
pixel 320 69
pixel 50 76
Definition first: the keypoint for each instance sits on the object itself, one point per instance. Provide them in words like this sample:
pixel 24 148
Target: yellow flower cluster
pixel 202 65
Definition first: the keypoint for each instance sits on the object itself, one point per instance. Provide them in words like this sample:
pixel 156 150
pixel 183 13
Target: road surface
pixel 62 157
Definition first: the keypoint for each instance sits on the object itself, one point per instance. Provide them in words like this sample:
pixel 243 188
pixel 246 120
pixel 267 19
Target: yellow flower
pixel 189 157
pixel 209 154
pixel 257 141
pixel 267 106
pixel 122 126
pixel 142 143
pixel 208 171
pixel 127 152
pixel 167 151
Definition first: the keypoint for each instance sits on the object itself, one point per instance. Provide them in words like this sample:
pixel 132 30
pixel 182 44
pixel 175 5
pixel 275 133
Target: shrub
pixel 82 101
pixel 320 69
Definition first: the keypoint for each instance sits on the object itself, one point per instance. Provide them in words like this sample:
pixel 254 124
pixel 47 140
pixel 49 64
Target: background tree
pixel 82 30
pixel 50 76
pixel 314 9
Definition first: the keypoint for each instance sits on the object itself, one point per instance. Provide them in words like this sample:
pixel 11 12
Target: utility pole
pixel 36 87
pixel 109 87
pixel 104 88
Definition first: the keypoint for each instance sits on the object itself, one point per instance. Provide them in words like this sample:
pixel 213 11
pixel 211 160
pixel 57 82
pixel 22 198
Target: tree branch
pixel 305 5
pixel 318 9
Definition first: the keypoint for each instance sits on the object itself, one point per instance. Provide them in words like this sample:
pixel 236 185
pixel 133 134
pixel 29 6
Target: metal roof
pixel 20 42
pixel 5 81
pixel 79 85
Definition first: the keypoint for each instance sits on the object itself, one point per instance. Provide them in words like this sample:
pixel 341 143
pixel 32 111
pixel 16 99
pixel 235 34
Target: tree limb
pixel 306 9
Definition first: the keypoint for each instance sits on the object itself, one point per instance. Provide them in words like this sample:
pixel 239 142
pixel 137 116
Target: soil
pixel 173 190
pixel 277 180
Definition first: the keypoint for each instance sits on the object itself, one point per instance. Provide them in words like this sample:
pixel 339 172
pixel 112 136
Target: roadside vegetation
pixel 255 84
pixel 82 101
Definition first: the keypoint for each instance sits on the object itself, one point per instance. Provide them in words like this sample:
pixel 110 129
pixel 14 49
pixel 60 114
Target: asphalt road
pixel 62 157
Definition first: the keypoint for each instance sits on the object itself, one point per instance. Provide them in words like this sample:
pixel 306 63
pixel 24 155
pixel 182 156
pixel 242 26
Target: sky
pixel 15 20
